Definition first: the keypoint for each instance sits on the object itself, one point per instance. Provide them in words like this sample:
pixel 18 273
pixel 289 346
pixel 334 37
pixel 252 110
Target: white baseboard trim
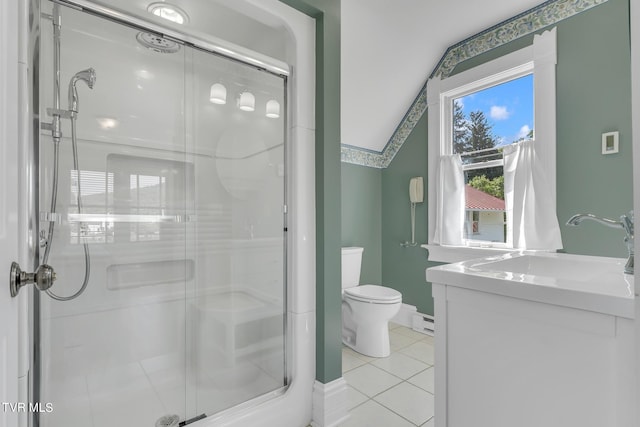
pixel 405 315
pixel 329 403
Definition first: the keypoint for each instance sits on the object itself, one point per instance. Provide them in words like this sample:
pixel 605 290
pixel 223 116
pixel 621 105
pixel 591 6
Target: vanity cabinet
pixel 507 355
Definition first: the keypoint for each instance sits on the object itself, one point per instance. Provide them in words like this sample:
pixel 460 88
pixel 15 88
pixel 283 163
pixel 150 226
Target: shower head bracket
pixel 64 114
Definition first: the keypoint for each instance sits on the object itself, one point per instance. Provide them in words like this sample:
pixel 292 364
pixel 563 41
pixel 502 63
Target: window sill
pixel 449 254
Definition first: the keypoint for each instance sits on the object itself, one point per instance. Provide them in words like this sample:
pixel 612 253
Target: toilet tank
pixel 351 263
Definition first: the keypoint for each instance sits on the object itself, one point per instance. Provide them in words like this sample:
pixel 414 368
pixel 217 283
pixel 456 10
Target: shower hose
pixel 54 200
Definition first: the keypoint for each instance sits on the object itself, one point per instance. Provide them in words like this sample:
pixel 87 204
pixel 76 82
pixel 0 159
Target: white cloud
pixel 499 113
pixel 524 131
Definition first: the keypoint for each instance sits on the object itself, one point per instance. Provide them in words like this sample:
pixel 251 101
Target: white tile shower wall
pixel 302 221
pixel 302 30
pixel 301 182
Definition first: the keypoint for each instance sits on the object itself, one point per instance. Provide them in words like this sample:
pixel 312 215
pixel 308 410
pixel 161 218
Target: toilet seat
pixel 373 294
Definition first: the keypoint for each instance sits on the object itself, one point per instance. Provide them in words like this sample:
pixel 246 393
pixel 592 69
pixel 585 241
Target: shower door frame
pixel 31 155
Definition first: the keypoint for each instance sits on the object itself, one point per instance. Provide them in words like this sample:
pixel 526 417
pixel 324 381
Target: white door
pixel 8 211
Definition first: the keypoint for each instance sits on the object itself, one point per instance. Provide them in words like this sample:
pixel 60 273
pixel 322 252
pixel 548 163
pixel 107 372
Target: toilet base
pixel 371 340
pixel 365 326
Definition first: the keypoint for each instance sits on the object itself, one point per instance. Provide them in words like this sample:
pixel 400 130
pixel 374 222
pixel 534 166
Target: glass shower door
pixel 182 208
pixel 115 355
pixel 238 309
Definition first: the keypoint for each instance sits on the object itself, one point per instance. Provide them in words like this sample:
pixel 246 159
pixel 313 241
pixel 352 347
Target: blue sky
pixel 508 107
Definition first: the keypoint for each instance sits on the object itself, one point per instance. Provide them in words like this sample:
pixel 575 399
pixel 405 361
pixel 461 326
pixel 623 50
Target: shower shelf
pixel 55 217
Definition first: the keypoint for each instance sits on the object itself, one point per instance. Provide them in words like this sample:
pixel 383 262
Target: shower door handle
pixel 43 278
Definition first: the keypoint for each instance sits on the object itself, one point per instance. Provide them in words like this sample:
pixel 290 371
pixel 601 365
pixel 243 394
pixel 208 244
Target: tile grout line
pixel 391 373
pixel 390 409
pixel 373 398
pixel 399 349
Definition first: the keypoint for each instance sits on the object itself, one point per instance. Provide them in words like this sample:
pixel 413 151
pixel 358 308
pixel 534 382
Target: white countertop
pixel 578 281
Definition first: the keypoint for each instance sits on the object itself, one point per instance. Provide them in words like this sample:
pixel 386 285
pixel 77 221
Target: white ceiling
pixel 389 48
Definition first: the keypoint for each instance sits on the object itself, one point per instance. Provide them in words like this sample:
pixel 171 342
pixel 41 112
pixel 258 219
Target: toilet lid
pixel 374 293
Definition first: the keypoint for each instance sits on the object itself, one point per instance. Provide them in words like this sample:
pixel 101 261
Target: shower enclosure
pixel 179 194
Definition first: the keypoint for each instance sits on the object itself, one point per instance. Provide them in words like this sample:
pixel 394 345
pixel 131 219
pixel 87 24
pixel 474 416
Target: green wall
pixel 593 96
pixel 376 215
pixel 362 217
pixel 404 268
pixel 327 163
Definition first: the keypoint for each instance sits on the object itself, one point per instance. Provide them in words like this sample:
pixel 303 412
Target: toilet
pixel 366 309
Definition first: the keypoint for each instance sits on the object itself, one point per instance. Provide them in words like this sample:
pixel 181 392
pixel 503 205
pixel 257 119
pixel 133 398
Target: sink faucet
pixel 626 223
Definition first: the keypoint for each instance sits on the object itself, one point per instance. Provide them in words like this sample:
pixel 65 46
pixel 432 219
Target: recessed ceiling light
pixel 169 12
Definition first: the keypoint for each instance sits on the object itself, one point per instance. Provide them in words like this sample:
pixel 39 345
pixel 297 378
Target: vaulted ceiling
pixel 389 48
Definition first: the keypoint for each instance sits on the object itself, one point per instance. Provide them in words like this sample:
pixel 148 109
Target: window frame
pixel 538 59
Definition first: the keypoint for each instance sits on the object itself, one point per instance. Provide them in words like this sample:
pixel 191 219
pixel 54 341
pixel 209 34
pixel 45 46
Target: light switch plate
pixel 610 141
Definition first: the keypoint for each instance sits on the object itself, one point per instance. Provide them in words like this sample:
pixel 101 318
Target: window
pixel 97 194
pixel 483 123
pixel 150 198
pixel 137 199
pixel 473 117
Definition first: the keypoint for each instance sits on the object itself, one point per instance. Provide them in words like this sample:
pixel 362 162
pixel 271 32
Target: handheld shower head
pixel 89 77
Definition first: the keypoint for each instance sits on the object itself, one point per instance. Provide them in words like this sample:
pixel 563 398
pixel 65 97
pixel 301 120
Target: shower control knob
pixel 43 278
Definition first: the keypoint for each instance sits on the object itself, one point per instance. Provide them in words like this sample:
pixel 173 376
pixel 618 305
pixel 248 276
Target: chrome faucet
pixel 626 223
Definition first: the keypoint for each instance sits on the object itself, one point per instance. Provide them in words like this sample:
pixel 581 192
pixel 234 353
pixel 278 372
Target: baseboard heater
pixel 423 323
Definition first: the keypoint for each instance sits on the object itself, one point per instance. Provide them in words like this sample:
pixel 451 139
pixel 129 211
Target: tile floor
pixel 394 391
pixel 139 393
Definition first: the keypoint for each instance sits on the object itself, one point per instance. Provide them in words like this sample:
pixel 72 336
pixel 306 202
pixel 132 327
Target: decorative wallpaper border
pixel 541 16
pixel 362 157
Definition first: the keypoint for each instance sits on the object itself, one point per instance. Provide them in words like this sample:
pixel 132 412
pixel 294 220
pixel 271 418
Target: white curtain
pixel 530 205
pixel 450 201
